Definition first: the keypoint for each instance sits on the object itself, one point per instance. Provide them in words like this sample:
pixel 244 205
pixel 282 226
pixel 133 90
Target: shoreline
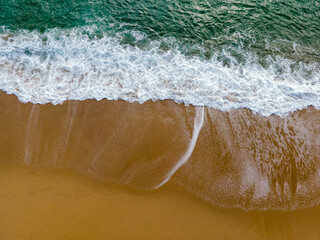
pixel 240 159
pixel 187 105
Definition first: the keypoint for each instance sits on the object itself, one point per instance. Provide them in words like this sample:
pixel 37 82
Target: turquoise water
pixel 259 54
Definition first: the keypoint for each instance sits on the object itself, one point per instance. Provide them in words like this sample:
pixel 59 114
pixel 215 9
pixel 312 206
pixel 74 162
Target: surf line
pixel 197 126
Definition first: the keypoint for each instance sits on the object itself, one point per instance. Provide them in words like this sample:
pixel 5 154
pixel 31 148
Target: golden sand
pixel 58 163
pixel 38 203
pixel 240 159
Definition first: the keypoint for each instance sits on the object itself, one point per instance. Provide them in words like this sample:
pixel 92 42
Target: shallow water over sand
pixel 229 159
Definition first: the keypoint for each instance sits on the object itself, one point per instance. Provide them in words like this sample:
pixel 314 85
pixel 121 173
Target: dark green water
pixel 263 26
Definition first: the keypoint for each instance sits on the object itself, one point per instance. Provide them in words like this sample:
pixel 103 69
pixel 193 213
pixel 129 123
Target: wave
pixel 79 64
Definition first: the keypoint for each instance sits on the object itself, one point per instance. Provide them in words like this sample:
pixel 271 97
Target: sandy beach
pixel 112 169
pixel 229 159
pixel 38 203
pixel 160 120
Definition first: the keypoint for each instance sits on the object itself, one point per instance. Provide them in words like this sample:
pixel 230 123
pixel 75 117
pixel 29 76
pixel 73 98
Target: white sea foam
pixel 57 65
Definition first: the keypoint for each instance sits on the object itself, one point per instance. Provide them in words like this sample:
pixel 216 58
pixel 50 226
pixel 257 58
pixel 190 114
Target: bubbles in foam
pixel 57 65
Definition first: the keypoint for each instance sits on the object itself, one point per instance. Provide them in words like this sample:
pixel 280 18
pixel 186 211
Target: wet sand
pixel 229 159
pixel 38 203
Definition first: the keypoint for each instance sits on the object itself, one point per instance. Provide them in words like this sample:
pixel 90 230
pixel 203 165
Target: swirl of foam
pixel 61 65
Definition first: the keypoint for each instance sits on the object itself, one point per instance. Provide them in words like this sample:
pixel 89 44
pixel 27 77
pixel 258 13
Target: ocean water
pixel 260 55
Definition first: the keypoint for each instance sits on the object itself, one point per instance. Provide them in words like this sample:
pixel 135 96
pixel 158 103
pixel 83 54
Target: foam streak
pixel 198 123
